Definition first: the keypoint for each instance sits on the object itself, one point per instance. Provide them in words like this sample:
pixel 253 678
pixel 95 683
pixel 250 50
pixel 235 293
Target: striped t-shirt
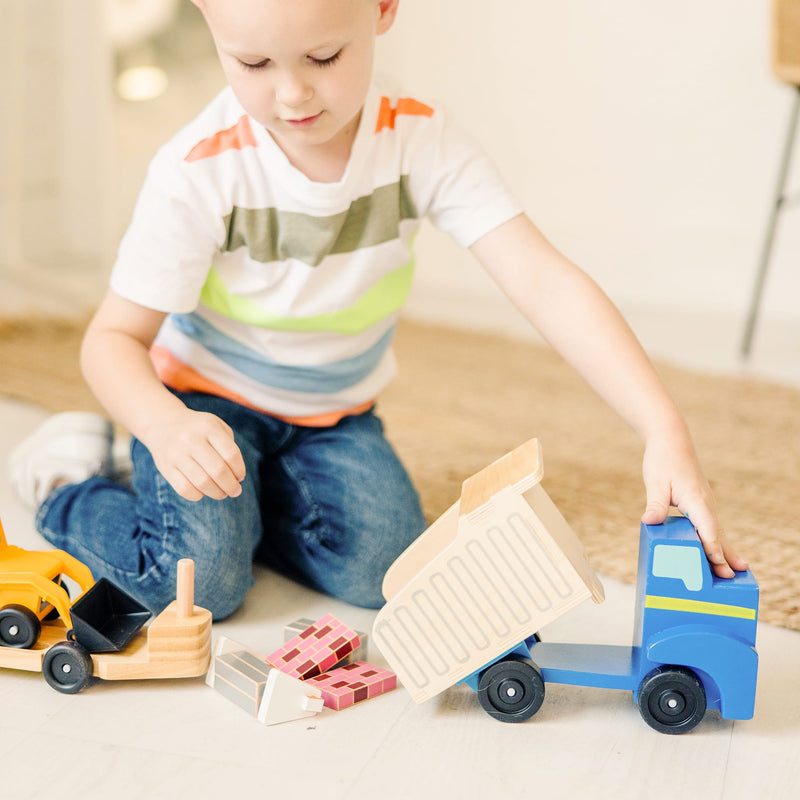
pixel 283 293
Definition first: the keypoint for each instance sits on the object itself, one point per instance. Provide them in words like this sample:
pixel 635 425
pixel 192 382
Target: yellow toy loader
pixel 99 634
pixel 31 590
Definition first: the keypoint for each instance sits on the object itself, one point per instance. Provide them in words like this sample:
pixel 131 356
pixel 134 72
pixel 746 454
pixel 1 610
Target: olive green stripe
pixel 383 299
pixel 271 234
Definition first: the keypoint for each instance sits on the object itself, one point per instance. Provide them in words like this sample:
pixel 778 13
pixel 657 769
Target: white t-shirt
pixel 284 293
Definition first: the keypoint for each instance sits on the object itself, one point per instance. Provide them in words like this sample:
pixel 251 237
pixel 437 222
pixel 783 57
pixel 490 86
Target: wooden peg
pixel 184 593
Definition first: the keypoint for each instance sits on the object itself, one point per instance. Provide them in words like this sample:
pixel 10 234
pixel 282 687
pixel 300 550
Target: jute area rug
pixel 463 399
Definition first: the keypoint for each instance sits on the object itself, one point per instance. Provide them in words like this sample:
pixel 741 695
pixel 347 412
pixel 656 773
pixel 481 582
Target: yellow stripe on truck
pixel 698 607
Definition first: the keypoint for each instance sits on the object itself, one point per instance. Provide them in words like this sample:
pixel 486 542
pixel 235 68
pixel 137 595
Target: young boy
pixel 247 330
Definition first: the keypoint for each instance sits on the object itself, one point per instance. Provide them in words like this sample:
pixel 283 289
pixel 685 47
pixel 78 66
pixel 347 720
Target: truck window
pixel 683 563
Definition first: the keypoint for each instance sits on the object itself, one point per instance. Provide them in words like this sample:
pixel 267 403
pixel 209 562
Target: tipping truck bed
pixel 491 571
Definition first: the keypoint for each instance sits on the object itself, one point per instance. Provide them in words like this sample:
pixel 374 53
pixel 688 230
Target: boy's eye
pixel 318 62
pixel 254 67
pixel 327 62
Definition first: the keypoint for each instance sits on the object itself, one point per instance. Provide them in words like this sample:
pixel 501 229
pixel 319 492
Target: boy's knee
pixel 362 590
pixel 221 588
pixel 356 576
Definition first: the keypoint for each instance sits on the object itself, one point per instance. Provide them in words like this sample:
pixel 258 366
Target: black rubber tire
pixel 19 627
pixel 68 667
pixel 672 700
pixel 511 690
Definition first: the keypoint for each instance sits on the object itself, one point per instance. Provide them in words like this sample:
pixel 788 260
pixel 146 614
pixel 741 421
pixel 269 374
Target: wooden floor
pixel 181 739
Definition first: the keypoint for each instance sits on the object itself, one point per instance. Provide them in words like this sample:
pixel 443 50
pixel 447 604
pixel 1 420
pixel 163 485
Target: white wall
pixel 642 137
pixel 55 91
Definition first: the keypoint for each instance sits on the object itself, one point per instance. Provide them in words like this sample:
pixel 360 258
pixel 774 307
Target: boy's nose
pixel 292 91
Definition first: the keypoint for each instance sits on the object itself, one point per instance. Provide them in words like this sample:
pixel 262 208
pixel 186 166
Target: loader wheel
pixel 672 700
pixel 19 627
pixel 67 667
pixel 511 690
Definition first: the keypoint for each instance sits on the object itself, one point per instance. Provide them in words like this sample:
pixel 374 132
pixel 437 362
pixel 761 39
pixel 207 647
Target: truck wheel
pixel 67 667
pixel 672 700
pixel 19 627
pixel 511 690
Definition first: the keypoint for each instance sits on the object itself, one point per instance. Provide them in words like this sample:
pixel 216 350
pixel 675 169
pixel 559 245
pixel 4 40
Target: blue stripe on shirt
pixel 318 379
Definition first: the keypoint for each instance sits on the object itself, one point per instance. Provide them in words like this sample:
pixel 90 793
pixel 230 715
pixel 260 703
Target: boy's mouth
pixel 303 122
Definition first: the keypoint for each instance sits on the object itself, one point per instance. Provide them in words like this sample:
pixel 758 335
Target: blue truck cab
pixel 693 645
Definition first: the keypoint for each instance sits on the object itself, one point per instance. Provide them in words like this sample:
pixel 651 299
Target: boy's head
pixel 301 68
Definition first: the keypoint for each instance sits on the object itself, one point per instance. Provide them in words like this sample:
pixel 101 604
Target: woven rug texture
pixel 463 399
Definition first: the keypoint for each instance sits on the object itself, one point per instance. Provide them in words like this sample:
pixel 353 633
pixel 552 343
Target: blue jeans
pixel 329 507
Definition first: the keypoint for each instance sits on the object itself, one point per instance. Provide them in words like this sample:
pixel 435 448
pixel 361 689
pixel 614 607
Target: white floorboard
pixel 180 739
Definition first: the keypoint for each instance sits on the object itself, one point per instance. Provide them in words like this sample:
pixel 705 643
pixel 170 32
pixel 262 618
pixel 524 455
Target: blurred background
pixel 643 138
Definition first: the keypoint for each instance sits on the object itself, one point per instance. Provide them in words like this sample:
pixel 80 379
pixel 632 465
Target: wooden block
pixel 353 684
pixel 295 628
pixel 245 678
pixel 361 653
pixel 316 649
pixel 242 678
pixel 287 698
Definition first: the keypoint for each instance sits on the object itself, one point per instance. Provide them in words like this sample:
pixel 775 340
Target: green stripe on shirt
pixel 270 234
pixel 383 299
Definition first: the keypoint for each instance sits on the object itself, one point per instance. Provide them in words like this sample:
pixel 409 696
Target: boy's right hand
pixel 195 451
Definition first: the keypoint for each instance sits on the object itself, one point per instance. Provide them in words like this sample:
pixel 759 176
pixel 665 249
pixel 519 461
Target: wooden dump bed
pixel 495 568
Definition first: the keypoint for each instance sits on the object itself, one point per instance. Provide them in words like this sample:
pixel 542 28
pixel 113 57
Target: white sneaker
pixel 122 463
pixel 66 448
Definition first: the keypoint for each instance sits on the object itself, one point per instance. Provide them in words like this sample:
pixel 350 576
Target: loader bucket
pixel 105 618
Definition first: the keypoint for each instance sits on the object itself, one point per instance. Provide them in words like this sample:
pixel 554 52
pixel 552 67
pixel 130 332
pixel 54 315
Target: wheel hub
pixel 511 691
pixel 672 703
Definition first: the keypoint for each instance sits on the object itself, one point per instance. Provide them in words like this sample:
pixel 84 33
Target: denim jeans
pixel 329 507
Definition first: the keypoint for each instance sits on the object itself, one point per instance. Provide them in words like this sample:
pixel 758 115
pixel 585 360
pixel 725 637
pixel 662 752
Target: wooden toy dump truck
pixel 467 599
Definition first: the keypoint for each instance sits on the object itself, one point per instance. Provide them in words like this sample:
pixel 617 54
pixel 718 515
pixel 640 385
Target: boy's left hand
pixel 673 477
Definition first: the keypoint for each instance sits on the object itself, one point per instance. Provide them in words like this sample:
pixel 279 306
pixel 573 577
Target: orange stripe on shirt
pixel 179 376
pixel 237 137
pixel 405 105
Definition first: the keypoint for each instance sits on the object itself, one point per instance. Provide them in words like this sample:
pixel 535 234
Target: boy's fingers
pixel 657 508
pixel 713 540
pixel 723 559
pixel 199 476
pixel 732 557
pixel 213 476
pixel 182 485
pixel 229 452
pixel 204 474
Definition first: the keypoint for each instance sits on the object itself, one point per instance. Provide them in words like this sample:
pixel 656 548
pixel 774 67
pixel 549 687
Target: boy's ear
pixel 387 11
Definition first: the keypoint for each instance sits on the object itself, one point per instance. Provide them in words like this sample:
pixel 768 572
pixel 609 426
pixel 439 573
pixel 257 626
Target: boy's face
pixel 301 68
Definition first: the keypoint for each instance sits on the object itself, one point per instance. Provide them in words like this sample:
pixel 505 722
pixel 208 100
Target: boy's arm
pixel 193 450
pixel 574 315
